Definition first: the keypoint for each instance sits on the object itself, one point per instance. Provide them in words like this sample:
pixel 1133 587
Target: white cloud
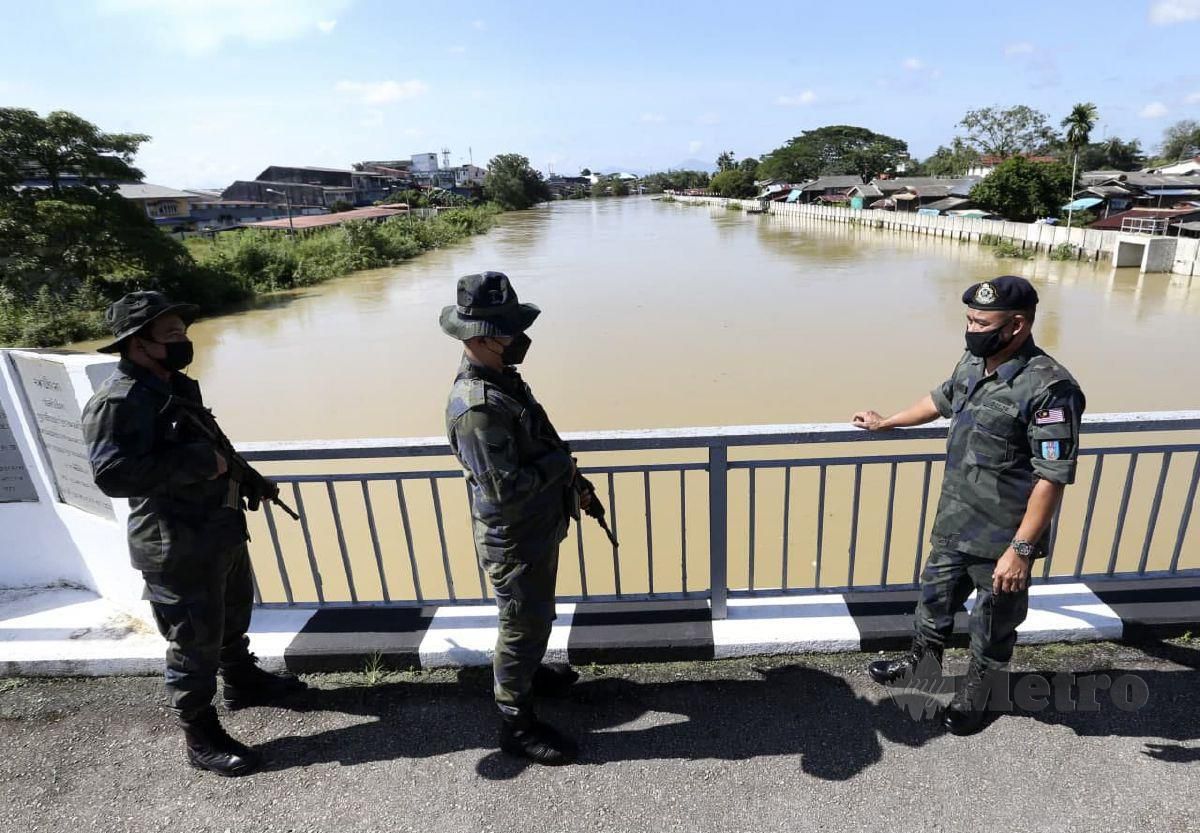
pixel 653 118
pixel 1019 48
pixel 804 98
pixel 912 64
pixel 382 92
pixel 479 24
pixel 694 146
pixel 1154 110
pixel 201 28
pixel 709 118
pixel 1194 98
pixel 1168 12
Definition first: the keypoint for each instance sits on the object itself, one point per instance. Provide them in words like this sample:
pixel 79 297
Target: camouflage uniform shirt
pixel 517 466
pixel 1008 430
pixel 176 517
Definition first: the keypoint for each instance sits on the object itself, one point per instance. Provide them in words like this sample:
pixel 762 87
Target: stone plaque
pixel 15 484
pixel 57 415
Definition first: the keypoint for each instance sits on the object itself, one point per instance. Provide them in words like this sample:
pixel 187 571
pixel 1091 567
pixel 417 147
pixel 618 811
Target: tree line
pixel 1038 175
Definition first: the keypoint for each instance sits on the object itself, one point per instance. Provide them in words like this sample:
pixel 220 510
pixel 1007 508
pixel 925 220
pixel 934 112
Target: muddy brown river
pixel 665 315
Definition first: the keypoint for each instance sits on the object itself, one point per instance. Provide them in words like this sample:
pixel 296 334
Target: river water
pixel 665 315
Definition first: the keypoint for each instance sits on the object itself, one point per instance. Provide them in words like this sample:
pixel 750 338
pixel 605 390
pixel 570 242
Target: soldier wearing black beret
pixel 1014 437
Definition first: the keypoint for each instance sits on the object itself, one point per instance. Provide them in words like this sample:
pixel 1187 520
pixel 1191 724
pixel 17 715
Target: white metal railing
pixel 1143 225
pixel 714 465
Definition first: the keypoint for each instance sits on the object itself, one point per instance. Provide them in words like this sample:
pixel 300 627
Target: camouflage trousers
pixel 525 598
pixel 947 581
pixel 203 613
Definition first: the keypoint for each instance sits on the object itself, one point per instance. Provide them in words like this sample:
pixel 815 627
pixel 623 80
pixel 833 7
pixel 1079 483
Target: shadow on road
pixel 788 710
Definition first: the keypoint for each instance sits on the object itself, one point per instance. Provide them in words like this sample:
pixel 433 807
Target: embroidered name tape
pixel 1050 416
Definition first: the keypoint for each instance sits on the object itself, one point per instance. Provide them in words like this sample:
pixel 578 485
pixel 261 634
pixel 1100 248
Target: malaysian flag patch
pixel 1050 416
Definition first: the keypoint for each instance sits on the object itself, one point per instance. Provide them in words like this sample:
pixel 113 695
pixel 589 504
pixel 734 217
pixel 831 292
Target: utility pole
pixel 288 201
pixel 1070 205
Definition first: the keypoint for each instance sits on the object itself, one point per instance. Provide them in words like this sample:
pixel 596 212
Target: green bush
pixel 1007 248
pixel 234 267
pixel 1063 251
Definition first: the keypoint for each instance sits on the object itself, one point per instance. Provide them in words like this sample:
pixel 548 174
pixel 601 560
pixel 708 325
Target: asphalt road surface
pixel 784 743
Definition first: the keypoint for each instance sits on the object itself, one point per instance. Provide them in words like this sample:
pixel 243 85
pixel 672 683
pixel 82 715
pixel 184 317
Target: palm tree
pixel 1079 126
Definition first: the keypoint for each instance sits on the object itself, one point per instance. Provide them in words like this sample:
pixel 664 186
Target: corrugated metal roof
pixel 146 191
pixel 1082 204
pixel 312 168
pixel 826 182
pixel 1113 221
pixel 948 203
pixel 866 190
pixel 318 220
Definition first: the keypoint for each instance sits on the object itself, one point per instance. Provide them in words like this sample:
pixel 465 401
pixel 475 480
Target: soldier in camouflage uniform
pixel 187 532
pixel 1012 448
pixel 524 490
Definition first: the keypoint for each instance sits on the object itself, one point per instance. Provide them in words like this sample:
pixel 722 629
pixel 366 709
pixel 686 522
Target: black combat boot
pixel 248 685
pixel 968 712
pixel 554 679
pixel 888 671
pixel 524 736
pixel 209 746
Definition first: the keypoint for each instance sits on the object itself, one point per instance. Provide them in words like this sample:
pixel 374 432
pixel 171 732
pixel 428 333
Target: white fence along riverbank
pixel 1179 255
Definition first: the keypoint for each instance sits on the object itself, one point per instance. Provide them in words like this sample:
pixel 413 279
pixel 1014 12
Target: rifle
pixel 595 508
pixel 241 473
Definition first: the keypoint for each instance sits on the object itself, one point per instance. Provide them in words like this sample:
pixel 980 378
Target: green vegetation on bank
pixel 235 267
pixel 70 244
pixel 264 261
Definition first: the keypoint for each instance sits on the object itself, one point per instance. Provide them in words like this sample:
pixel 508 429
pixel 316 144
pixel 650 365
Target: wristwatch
pixel 1024 549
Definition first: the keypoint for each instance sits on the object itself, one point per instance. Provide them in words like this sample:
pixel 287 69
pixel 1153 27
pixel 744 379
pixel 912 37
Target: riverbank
pixel 235 267
pixel 1177 255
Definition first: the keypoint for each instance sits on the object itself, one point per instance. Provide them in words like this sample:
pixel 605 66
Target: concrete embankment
pixel 1177 255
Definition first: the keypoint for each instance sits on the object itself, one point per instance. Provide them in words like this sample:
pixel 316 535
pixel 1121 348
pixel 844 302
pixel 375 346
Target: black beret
pixel 1007 292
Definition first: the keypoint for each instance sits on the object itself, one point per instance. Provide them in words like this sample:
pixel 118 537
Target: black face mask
pixel 179 354
pixel 514 353
pixel 989 342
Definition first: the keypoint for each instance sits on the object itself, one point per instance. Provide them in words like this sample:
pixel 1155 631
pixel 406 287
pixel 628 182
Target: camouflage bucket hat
pixel 487 306
pixel 137 309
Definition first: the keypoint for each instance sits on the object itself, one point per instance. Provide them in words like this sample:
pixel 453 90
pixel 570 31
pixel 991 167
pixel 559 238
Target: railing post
pixel 718 528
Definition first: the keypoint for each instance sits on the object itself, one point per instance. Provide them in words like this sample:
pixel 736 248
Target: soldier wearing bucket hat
pixel 187 532
pixel 524 490
pixel 1014 438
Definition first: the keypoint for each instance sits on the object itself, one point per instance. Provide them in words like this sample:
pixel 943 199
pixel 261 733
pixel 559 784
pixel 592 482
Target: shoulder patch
pixel 1049 373
pixel 476 393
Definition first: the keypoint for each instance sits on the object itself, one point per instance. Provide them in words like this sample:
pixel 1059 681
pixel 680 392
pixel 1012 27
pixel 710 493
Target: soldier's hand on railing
pixel 867 420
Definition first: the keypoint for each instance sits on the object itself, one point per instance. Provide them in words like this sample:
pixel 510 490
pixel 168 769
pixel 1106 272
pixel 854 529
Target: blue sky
pixel 226 87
